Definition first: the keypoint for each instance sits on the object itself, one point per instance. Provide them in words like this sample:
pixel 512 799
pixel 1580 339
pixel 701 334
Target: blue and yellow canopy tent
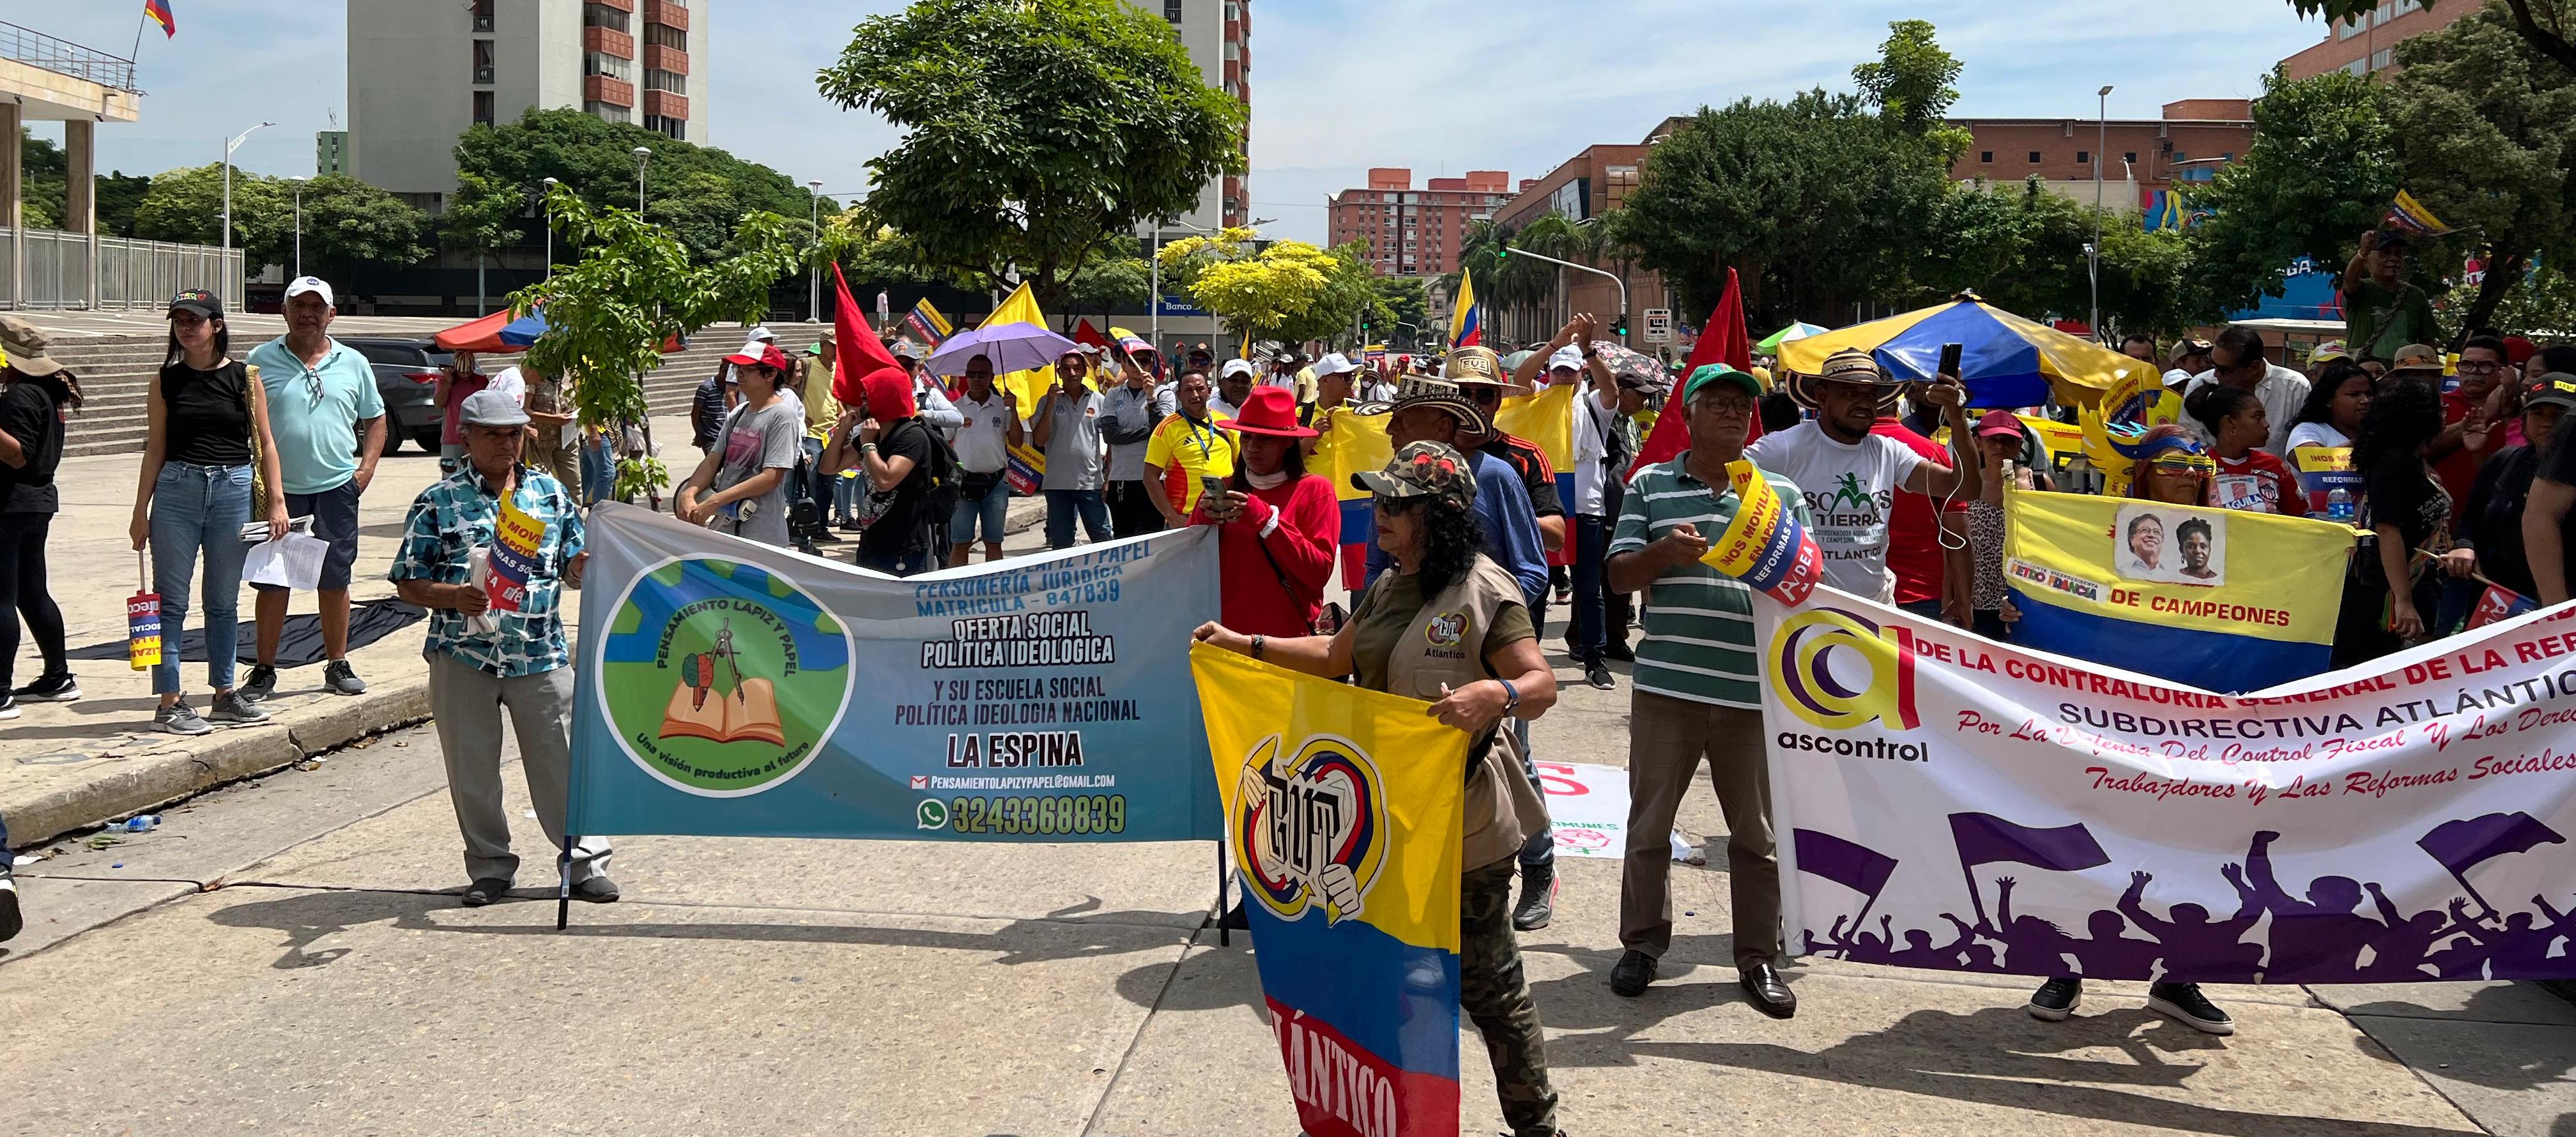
pixel 2006 360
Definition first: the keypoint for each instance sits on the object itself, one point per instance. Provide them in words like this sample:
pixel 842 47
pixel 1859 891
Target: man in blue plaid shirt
pixel 481 660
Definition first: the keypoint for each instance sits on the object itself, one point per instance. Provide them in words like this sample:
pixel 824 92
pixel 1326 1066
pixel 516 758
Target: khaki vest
pixel 1446 644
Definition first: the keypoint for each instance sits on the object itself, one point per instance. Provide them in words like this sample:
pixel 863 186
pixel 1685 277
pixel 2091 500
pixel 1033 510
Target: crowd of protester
pixel 2460 481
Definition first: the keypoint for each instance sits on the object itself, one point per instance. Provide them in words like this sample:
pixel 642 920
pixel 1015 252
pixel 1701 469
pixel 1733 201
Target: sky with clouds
pixel 1338 85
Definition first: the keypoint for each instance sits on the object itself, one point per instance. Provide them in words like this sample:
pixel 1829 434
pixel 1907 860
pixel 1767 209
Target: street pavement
pixel 285 955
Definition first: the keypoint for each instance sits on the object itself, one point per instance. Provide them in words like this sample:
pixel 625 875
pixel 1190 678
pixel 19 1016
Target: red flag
pixel 1088 336
pixel 1724 340
pixel 861 357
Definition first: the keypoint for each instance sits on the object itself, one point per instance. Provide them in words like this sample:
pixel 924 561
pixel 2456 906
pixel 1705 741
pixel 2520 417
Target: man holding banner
pixel 1699 686
pixel 498 641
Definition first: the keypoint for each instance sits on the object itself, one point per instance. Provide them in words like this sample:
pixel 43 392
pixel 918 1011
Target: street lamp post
pixel 814 301
pixel 643 156
pixel 2093 252
pixel 1614 279
pixel 549 221
pixel 229 147
pixel 299 181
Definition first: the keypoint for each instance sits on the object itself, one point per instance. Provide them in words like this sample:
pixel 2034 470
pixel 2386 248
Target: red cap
pixel 1996 423
pixel 769 356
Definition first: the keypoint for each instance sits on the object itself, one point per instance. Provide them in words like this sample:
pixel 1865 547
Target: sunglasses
pixel 1384 504
pixel 2183 464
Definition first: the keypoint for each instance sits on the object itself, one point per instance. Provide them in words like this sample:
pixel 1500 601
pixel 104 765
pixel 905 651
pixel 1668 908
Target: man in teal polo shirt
pixel 1698 691
pixel 330 426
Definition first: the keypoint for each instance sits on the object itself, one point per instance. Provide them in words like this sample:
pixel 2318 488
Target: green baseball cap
pixel 1719 373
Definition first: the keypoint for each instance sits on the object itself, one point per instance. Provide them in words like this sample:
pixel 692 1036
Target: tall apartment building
pixel 1218 34
pixel 422 72
pixel 1414 232
pixel 2364 44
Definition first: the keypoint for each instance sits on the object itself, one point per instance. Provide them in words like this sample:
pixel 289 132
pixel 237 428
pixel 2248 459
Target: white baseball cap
pixel 1237 367
pixel 762 334
pixel 304 284
pixel 1567 358
pixel 1334 364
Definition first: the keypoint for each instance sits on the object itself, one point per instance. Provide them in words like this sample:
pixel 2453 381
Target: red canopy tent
pixel 481 336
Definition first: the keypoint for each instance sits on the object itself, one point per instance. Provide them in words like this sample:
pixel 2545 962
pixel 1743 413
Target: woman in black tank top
pixel 209 427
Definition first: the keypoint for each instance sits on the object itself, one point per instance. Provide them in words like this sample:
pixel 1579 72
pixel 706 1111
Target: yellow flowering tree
pixel 1289 291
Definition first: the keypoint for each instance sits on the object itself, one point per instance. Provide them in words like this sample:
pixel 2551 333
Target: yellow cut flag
pixel 1343 820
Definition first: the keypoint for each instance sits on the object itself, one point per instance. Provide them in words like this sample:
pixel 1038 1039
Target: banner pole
pixel 1975 898
pixel 1224 935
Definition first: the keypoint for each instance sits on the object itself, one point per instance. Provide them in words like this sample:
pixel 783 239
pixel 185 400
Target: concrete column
pixel 13 211
pixel 80 199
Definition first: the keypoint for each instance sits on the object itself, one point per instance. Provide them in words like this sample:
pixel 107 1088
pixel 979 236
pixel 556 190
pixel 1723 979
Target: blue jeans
pixel 1063 505
pixel 598 467
pixel 845 496
pixel 991 512
pixel 199 509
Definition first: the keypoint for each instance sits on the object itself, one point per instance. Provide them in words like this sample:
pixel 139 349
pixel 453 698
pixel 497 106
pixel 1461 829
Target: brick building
pixel 2144 156
pixel 1414 232
pixel 2362 45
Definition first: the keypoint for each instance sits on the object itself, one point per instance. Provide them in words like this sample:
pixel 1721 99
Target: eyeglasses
pixel 2480 367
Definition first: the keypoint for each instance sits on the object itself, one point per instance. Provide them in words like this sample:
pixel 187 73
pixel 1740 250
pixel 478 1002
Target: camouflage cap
pixel 1422 469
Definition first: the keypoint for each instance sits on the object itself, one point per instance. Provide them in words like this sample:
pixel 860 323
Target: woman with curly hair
pixel 1448 626
pixel 2409 510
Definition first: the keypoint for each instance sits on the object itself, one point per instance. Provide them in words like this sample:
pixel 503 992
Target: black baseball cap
pixel 199 301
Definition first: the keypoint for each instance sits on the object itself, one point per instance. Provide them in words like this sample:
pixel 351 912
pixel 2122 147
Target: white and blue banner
pixel 1949 802
pixel 729 688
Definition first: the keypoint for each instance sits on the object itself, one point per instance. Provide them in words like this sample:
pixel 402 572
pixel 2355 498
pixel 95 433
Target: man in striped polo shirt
pixel 1698 692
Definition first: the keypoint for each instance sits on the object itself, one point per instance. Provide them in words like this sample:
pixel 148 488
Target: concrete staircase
pixel 116 372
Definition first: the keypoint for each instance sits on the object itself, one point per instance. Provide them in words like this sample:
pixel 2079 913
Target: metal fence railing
pixel 35 48
pixel 58 271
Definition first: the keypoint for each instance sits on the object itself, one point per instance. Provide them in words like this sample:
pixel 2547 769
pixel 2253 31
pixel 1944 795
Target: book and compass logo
pixel 722 679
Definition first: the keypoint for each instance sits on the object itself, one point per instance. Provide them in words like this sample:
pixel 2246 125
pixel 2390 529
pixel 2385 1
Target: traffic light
pixel 1620 329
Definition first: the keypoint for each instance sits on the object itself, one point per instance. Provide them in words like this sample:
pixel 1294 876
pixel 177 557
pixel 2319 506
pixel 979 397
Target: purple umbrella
pixel 1017 346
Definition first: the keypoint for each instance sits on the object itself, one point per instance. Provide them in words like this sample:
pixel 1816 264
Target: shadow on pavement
pixel 1983 1057
pixel 309 917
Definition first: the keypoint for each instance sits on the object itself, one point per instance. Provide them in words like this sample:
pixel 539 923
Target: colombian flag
pixel 159 12
pixel 1343 818
pixel 928 323
pixel 2223 600
pixel 1465 329
pixel 2410 215
pixel 1357 442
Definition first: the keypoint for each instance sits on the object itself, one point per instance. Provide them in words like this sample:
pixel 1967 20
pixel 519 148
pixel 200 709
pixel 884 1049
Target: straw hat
pixel 1850 365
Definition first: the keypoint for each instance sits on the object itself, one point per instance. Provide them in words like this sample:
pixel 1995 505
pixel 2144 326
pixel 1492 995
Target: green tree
pixel 1036 131
pixel 2485 131
pixel 347 224
pixel 2021 248
pixel 2542 304
pixel 635 288
pixel 1116 276
pixel 1816 202
pixel 118 197
pixel 1285 290
pixel 2320 171
pixel 482 218
pixel 700 191
pixel 44 173
pixel 1399 300
pixel 2549 26
pixel 187 206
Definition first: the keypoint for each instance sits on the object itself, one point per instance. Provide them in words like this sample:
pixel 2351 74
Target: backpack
pixel 941 495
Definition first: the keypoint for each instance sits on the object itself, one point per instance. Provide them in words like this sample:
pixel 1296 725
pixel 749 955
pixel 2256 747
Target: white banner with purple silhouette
pixel 1945 801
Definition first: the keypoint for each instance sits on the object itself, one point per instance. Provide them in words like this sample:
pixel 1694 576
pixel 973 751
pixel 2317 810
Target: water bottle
pixel 2339 504
pixel 142 822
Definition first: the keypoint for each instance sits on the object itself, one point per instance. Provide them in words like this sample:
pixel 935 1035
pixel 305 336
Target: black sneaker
pixel 10 921
pixel 341 679
pixel 1618 649
pixel 50 689
pixel 1538 900
pixel 2056 999
pixel 2183 1003
pixel 1597 674
pixel 262 684
pixel 1628 979
pixel 8 705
